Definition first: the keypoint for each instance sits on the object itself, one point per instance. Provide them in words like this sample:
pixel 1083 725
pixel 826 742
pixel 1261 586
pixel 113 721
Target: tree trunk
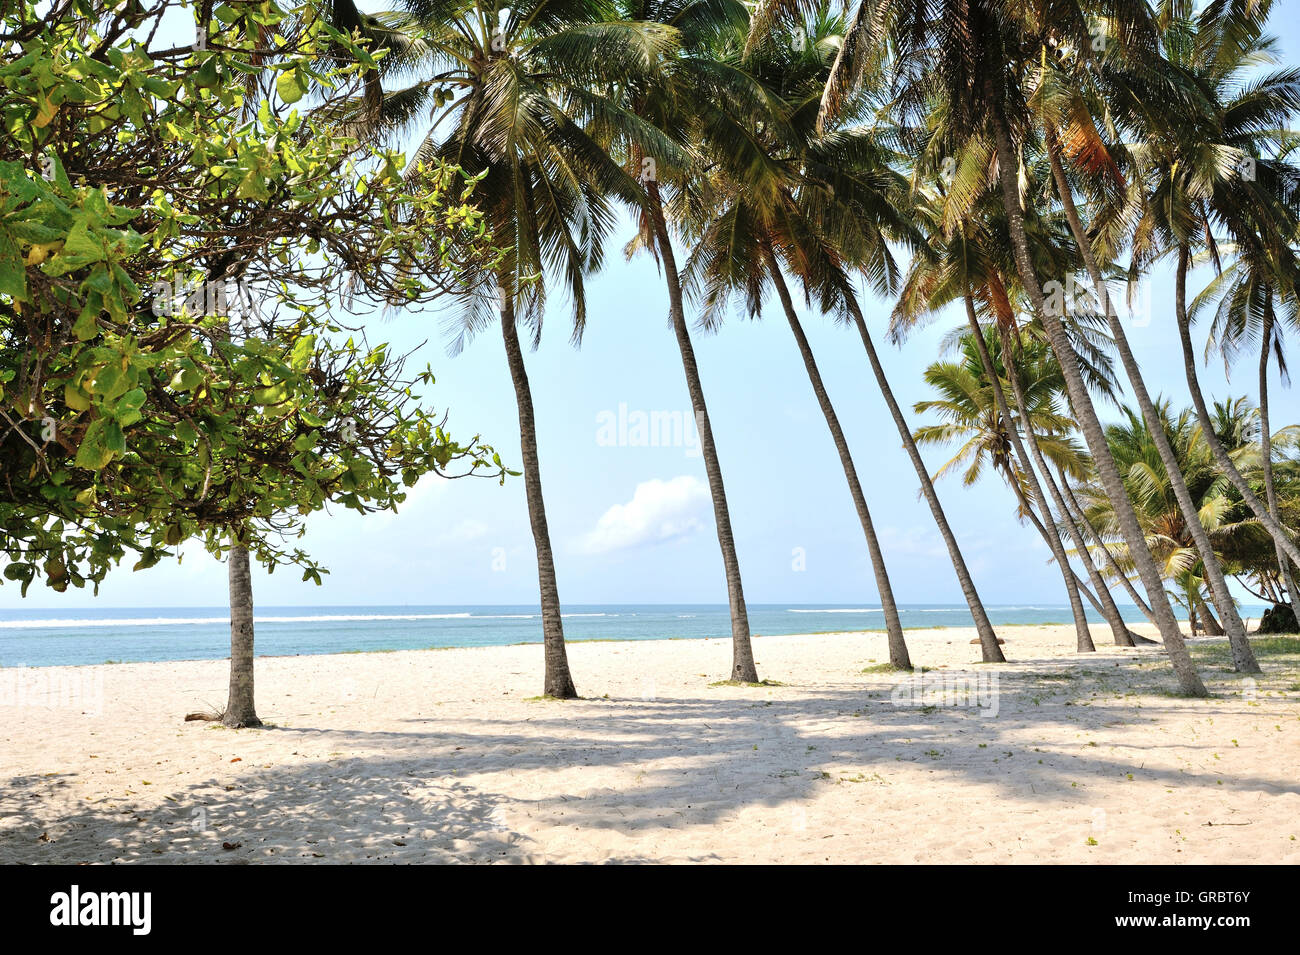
pixel 1105 602
pixel 558 682
pixel 1073 582
pixel 1109 610
pixel 991 652
pixel 1212 626
pixel 1243 657
pixel 1220 453
pixel 898 654
pixel 743 668
pixel 239 711
pixel 1218 584
pixel 1089 424
pixel 1266 448
pixel 1083 636
pixel 1110 562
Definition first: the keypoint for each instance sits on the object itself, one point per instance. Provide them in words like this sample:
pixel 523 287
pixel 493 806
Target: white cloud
pixel 659 511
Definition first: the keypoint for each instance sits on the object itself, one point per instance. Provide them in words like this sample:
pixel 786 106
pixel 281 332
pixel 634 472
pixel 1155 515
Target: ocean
pixel 44 637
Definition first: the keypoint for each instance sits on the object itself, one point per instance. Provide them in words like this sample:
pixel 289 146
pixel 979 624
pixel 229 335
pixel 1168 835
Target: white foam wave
pixel 199 621
pixel 839 610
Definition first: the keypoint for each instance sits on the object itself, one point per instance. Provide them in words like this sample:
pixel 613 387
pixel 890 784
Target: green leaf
pixel 80 247
pixel 74 398
pixel 87 324
pixel 270 394
pixel 111 382
pixel 148 557
pixel 127 408
pixel 13 272
pixel 207 77
pixel 114 439
pixel 93 452
pixel 303 349
pixel 288 86
pixel 187 379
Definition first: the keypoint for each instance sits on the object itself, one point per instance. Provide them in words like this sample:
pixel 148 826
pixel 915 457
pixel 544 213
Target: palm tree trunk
pixel 1086 414
pixel 898 654
pixel 558 682
pixel 1243 657
pixel 990 651
pixel 1109 610
pixel 1219 591
pixel 1266 446
pixel 1103 601
pixel 1130 639
pixel 239 712
pixel 1083 636
pixel 1084 590
pixel 1074 584
pixel 1081 518
pixel 1221 456
pixel 1270 587
pixel 743 667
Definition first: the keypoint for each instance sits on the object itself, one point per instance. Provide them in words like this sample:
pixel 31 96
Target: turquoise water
pixel 31 637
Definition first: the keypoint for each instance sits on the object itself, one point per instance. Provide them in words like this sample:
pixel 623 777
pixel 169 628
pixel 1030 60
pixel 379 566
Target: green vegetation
pixel 174 241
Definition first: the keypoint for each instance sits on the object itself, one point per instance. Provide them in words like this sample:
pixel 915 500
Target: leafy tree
pixel 173 359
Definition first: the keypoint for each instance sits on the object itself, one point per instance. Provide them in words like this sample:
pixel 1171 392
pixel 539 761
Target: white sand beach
pixel 441 756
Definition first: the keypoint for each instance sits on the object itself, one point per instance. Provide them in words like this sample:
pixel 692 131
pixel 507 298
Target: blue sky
pixel 634 523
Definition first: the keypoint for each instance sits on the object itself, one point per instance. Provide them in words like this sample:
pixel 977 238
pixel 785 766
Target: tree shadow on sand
pixel 364 811
pixel 467 789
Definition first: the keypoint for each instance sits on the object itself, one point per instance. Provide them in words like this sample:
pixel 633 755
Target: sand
pixel 445 756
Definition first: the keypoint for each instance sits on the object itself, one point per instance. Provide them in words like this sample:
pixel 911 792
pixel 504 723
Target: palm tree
pixel 509 94
pixel 689 81
pixel 992 653
pixel 974 406
pixel 994 102
pixel 966 60
pixel 1237 426
pixel 756 217
pixel 1212 170
pixel 1065 113
pixel 1167 531
pixel 845 204
pixel 960 254
pixel 1250 297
